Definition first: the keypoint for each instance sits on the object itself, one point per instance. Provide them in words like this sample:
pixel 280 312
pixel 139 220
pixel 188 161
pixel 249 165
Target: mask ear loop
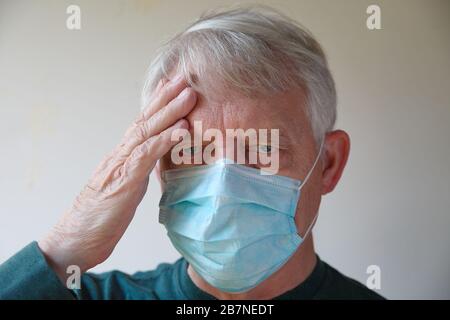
pixel 304 182
pixel 313 166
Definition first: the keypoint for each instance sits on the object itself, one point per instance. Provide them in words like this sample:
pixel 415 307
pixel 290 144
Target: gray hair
pixel 254 51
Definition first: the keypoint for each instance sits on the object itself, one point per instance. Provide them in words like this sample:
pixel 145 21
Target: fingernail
pixel 184 93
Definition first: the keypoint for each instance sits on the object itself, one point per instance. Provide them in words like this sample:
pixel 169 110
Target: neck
pixel 289 276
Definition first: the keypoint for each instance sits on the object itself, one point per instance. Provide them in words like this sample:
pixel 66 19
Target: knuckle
pixel 144 149
pixel 141 131
pixel 158 139
pixel 139 152
pixel 139 119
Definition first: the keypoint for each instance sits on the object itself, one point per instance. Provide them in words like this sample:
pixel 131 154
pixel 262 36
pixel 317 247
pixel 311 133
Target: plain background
pixel 66 97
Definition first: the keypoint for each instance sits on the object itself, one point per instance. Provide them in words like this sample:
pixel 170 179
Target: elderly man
pixel 243 233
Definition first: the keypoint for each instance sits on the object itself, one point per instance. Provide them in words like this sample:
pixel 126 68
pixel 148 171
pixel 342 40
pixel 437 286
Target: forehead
pixel 284 111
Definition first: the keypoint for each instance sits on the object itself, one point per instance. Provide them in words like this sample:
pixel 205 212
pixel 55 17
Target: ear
pixel 336 152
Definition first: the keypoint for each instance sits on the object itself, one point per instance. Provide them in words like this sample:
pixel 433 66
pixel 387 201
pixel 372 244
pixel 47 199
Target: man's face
pixel 296 150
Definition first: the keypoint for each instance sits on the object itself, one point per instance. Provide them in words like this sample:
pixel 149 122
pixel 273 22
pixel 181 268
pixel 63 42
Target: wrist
pixel 59 258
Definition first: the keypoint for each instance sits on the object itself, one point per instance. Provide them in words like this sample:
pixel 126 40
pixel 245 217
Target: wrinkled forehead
pixel 284 111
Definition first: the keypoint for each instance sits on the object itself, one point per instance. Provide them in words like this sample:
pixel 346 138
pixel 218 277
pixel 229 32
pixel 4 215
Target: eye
pixel 190 151
pixel 264 148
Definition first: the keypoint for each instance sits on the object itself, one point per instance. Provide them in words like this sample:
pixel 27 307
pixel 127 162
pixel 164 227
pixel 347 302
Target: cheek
pixel 286 166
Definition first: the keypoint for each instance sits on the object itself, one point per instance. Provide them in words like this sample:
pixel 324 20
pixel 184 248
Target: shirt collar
pixel 306 290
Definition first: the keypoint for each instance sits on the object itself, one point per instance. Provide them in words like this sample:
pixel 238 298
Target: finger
pixel 166 91
pixel 145 156
pixel 145 110
pixel 145 113
pixel 162 82
pixel 163 94
pixel 178 108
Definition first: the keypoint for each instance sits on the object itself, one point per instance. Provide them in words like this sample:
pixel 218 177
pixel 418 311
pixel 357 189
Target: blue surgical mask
pixel 233 225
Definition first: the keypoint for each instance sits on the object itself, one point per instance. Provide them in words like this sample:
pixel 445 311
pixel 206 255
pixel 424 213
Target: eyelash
pixel 267 149
pixel 189 149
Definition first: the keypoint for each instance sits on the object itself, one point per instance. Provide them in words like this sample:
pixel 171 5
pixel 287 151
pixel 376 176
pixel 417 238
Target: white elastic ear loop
pixel 303 183
pixel 313 166
pixel 310 226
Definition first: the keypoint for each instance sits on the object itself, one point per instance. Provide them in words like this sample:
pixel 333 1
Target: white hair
pixel 254 51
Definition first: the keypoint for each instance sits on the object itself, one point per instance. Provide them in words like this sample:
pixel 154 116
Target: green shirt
pixel 27 275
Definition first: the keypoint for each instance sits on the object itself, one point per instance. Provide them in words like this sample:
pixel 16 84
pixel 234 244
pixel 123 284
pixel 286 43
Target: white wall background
pixel 66 98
